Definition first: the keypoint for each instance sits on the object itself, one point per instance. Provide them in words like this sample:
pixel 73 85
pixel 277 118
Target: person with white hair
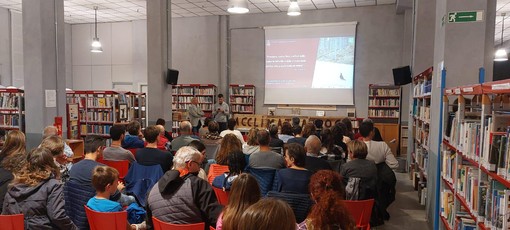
pixel 185 136
pixel 68 152
pixel 180 197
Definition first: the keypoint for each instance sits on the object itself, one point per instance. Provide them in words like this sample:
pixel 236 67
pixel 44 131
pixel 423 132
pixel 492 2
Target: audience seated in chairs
pixel 185 136
pixel 329 211
pixel 286 132
pixel 213 137
pixel 245 192
pixel 359 167
pixel 265 158
pixel 134 138
pixel 78 190
pixel 163 142
pixel 56 146
pixel 202 149
pixel 162 122
pixel 274 142
pixel 50 131
pixel 251 146
pixel 180 197
pixel 37 193
pixel 236 165
pixel 313 162
pixel 301 135
pixel 329 147
pixel 296 177
pixel 151 155
pixel 229 144
pixel 115 152
pixel 267 214
pixel 231 125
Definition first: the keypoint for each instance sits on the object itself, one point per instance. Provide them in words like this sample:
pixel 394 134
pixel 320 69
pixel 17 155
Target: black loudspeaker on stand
pixel 171 76
pixel 402 75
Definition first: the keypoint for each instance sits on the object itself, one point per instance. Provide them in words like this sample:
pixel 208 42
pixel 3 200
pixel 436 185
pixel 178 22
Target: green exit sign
pixel 465 16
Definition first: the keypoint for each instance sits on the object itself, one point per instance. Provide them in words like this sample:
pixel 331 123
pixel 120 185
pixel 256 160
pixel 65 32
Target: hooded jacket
pixel 182 200
pixel 42 205
pixel 132 142
pixel 5 178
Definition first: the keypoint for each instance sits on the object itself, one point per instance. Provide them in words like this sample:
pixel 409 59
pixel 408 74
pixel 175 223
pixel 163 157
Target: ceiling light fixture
pixel 238 6
pixel 501 54
pixel 294 9
pixel 96 45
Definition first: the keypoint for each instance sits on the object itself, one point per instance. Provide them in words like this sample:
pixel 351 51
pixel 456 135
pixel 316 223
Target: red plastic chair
pixel 121 166
pixel 211 228
pixel 133 151
pixel 221 195
pixel 216 170
pixel 106 220
pixel 12 222
pixel 360 210
pixel 160 225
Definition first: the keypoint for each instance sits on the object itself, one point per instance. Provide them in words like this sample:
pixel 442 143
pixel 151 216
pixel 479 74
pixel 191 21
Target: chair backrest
pixel 12 222
pixel 121 166
pixel 221 195
pixel 76 196
pixel 211 228
pixel 300 203
pixel 133 151
pixel 106 220
pixel 216 170
pixel 360 210
pixel 160 225
pixel 265 178
pixel 335 165
pixel 211 150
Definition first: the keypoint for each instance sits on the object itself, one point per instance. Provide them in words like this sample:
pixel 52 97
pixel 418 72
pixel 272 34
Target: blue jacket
pixel 76 196
pixel 140 179
pixel 132 142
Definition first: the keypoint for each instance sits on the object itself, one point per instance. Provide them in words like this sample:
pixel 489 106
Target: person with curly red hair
pixel 329 212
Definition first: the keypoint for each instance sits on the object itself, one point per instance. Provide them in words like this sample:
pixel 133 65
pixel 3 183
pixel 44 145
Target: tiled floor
pixel 406 212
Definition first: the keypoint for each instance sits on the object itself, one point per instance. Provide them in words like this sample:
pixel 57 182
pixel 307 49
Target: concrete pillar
pixel 159 44
pixel 44 64
pixel 461 48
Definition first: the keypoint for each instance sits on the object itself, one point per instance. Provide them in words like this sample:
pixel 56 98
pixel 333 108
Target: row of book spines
pixel 194 90
pixel 187 99
pixel 10 101
pixel 382 113
pixel 384 92
pixel 242 91
pixel 106 116
pixel 241 100
pixel 242 108
pixel 99 129
pixel 423 88
pixel 384 102
pixel 9 120
pixel 186 106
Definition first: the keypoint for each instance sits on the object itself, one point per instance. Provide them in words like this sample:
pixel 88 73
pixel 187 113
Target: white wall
pixel 122 62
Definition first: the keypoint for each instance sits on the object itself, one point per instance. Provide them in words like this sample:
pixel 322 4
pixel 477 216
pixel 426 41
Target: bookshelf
pixel 475 158
pixel 384 103
pixel 94 112
pixel 242 99
pixel 183 93
pixel 12 109
pixel 420 130
pixel 403 139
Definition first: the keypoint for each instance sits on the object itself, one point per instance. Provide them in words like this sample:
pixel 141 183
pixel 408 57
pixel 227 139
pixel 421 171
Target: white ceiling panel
pixel 82 11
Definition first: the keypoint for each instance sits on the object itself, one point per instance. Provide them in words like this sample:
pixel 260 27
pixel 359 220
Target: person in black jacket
pixel 180 197
pixel 38 194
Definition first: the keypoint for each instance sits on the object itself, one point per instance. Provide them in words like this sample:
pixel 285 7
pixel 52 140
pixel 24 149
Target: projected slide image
pixel 326 62
pixel 334 66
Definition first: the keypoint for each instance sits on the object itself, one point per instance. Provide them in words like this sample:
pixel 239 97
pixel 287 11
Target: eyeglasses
pixel 194 162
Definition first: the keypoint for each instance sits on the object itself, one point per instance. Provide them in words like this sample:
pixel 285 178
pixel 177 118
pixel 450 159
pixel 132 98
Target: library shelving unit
pixel 138 108
pixel 12 109
pixel 420 131
pixel 384 110
pixel 94 112
pixel 403 139
pixel 242 99
pixel 475 157
pixel 181 99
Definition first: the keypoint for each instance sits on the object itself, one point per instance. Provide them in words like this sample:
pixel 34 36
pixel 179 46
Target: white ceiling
pixel 81 11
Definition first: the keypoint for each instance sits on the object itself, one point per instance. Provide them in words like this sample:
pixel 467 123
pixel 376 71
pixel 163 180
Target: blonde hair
pixel 358 149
